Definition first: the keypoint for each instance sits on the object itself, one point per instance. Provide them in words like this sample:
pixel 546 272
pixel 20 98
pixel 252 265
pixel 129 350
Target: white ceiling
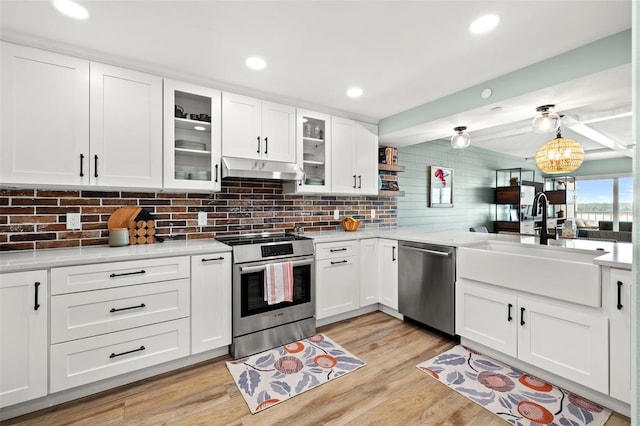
pixel 401 53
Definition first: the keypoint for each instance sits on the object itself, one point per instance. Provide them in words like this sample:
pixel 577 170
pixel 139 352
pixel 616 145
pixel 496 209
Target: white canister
pixel 118 237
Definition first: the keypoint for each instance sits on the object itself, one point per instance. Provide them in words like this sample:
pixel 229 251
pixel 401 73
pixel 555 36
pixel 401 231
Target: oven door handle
pixel 251 269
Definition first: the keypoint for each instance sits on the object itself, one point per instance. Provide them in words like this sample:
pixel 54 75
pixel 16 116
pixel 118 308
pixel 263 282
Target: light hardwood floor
pixel 388 391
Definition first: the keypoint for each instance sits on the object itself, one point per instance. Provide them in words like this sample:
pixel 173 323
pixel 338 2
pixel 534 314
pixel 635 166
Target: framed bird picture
pixel 440 186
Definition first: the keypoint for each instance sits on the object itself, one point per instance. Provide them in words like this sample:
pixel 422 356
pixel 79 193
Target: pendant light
pixel 560 155
pixel 461 139
pixel 546 121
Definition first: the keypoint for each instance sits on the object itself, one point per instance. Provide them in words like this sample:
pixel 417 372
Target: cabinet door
pixel 388 260
pixel 210 301
pixel 619 310
pixel 126 128
pixel 278 132
pixel 241 126
pixel 486 316
pixel 23 327
pixel 343 174
pixel 337 286
pixel 367 158
pixel 369 272
pixel 568 342
pixel 45 117
pixel 191 147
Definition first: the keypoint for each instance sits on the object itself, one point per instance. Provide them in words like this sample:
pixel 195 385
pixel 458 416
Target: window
pixel 605 199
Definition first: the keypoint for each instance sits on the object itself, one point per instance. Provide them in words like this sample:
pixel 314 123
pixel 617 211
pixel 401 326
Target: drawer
pixel 337 249
pixel 90 313
pixel 88 360
pixel 97 276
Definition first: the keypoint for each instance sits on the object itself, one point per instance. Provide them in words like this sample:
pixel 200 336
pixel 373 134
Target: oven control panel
pixel 277 250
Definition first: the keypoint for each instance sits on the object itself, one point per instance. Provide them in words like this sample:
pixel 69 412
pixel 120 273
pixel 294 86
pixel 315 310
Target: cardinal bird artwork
pixel 441 187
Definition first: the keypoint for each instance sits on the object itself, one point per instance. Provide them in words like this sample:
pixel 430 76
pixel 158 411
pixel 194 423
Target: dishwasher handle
pixel 436 252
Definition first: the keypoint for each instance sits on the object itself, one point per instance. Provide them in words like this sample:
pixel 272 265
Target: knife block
pixel 142 232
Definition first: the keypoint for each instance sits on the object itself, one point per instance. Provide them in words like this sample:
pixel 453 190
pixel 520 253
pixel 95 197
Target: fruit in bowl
pixel 350 224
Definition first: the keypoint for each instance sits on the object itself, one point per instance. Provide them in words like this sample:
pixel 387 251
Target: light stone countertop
pixel 24 260
pixel 616 255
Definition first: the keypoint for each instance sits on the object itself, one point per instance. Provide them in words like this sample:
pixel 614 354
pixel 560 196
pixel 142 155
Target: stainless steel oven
pixel 257 325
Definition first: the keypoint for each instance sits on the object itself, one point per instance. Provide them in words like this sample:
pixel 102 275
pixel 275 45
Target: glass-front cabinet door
pixel 313 135
pixel 192 135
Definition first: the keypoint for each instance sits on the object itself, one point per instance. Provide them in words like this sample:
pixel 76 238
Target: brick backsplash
pixel 36 218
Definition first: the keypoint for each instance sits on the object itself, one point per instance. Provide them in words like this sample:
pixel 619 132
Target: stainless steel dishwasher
pixel 426 284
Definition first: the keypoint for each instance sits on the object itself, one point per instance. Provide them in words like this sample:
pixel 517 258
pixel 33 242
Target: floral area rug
pixel 273 376
pixel 516 397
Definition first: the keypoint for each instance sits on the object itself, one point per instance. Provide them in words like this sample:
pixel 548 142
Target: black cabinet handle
pixel 335 250
pixel 140 306
pixel 258 151
pixel 216 174
pixel 141 348
pixel 339 261
pixel 212 259
pixel 95 166
pixel 81 165
pixel 509 317
pixel 619 305
pixel 354 181
pixel 359 181
pixel 266 145
pixel 142 271
pixel 36 305
pixel 393 253
pixel 522 316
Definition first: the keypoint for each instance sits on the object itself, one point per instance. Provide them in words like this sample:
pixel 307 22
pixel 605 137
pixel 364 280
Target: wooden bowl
pixel 350 225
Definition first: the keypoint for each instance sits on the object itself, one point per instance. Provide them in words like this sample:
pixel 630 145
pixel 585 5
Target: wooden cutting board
pixel 121 217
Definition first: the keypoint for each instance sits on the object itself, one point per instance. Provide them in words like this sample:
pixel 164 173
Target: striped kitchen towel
pixel 278 283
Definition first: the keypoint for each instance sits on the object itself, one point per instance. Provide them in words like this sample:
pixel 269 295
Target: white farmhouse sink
pixel 560 273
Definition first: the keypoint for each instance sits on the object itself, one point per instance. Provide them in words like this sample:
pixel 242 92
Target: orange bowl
pixel 350 225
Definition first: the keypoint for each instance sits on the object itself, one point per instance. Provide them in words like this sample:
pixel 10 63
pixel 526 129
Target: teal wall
pixel 474 180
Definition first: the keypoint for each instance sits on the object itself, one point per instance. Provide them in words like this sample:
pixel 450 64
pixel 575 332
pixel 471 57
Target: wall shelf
pixel 390 167
pixel 382 193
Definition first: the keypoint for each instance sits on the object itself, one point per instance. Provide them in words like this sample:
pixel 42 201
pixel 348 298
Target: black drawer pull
pixel 142 305
pixel 81 165
pixel 393 253
pixel 619 305
pixel 339 261
pixel 521 316
pixel 266 145
pixel 359 181
pixel 258 151
pixel 335 250
pixel 95 169
pixel 212 259
pixel 216 174
pixel 142 271
pixel 354 181
pixel 36 305
pixel 141 348
pixel 509 317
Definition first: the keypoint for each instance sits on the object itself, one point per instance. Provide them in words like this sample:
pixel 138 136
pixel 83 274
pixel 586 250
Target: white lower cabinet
pixel 369 272
pixel 23 329
pixel 388 260
pixel 562 338
pixel 617 299
pixel 337 278
pixel 210 301
pixel 83 361
pixel 112 318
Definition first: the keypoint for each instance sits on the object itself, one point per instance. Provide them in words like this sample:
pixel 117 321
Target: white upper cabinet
pixel 45 117
pixel 192 132
pixel 68 121
pixel 126 128
pixel 256 129
pixel 354 161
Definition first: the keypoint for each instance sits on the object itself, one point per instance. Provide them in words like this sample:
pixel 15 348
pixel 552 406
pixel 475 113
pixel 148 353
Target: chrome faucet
pixel 540 201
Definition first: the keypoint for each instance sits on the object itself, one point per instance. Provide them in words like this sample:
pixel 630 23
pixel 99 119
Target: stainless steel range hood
pixel 262 169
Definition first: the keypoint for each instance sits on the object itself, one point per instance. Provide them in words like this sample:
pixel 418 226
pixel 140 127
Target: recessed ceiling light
pixel 202 129
pixel 484 23
pixel 354 92
pixel 71 9
pixel 256 63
